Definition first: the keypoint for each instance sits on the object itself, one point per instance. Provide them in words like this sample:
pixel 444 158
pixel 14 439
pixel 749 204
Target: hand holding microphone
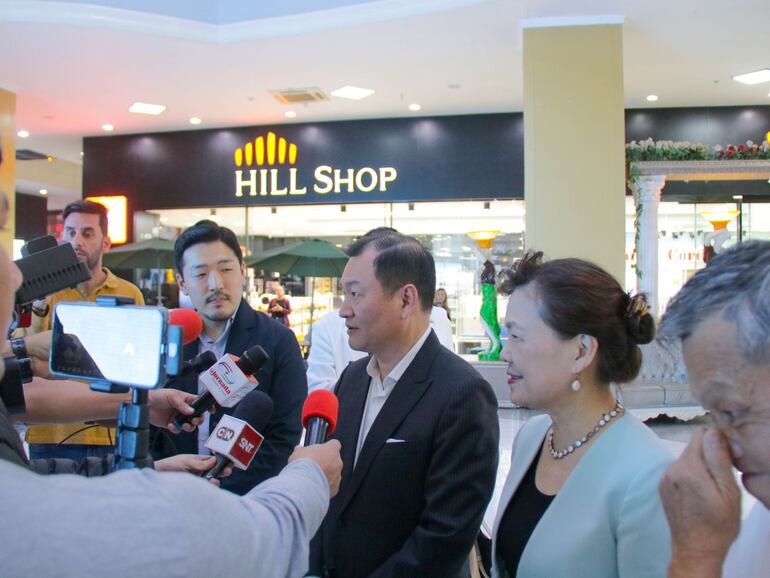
pixel 236 438
pixel 227 382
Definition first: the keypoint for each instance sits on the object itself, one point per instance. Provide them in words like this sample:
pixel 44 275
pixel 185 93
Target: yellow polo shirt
pixel 55 433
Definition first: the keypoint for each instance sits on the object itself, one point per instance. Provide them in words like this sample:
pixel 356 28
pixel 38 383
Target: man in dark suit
pixel 211 271
pixel 417 424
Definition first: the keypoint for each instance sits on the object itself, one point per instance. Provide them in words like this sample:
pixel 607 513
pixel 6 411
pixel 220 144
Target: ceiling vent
pixel 29 155
pixel 299 95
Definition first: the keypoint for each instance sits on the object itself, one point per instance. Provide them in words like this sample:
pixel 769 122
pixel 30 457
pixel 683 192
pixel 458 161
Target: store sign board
pixel 264 168
pixel 369 161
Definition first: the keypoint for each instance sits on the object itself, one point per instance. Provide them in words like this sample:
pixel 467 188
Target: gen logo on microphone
pixel 225 433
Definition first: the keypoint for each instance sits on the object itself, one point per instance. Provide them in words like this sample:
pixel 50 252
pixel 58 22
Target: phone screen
pixel 120 345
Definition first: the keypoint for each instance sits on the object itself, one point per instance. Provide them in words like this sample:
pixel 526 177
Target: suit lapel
pixel 244 324
pixel 352 404
pixel 405 395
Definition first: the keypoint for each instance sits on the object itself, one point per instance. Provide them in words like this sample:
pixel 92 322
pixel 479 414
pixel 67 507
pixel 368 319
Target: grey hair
pixel 735 285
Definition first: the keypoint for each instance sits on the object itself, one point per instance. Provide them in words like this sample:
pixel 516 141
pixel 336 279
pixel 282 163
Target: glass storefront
pixel 682 230
pixel 441 226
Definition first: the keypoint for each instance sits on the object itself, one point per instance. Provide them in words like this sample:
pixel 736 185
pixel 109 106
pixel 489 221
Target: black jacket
pixel 413 504
pixel 282 378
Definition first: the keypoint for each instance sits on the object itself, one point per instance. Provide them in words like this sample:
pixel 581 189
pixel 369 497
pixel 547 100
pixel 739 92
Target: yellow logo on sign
pixel 268 150
pixel 257 173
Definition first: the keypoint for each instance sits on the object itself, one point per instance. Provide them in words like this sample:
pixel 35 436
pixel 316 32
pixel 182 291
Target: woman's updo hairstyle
pixel 577 297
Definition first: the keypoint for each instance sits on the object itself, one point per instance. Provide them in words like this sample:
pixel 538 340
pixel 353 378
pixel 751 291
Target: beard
pixel 93 261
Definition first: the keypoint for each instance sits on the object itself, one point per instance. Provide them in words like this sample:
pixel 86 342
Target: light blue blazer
pixel 607 520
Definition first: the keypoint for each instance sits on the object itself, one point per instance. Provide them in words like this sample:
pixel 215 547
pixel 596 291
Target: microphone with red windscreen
pixel 192 327
pixel 319 416
pixel 190 322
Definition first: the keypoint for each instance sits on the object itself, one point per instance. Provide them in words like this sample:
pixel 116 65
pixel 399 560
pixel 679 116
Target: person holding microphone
pixel 264 533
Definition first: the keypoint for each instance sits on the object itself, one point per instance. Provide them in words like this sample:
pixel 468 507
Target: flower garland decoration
pixel 668 150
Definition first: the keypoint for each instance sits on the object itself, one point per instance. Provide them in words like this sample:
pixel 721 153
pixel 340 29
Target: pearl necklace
pixel 604 420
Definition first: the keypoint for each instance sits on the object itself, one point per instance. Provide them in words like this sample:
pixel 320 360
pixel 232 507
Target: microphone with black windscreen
pixel 227 382
pixel 319 416
pixel 236 438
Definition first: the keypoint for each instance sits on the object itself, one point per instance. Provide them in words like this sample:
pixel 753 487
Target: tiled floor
pixel 675 434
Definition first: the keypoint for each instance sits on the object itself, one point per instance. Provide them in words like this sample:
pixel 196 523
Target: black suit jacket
pixel 411 508
pixel 282 378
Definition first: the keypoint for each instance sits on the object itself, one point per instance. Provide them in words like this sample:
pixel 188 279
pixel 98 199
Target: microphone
pixel 236 438
pixel 319 416
pixel 190 322
pixel 227 382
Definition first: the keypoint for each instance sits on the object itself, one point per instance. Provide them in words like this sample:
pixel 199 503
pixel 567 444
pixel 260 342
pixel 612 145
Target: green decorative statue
pixel 488 312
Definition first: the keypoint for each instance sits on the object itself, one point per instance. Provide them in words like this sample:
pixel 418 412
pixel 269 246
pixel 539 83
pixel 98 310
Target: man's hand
pixel 39 349
pixel 166 404
pixel 328 457
pixel 703 506
pixel 193 464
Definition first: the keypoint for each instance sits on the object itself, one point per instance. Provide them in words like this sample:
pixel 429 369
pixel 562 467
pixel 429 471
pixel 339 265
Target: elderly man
pixel 722 316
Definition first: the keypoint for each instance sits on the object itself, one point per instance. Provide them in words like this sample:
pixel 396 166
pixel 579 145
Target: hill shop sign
pixel 264 168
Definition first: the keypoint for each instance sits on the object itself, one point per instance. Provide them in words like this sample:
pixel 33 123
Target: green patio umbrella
pixel 313 258
pixel 150 254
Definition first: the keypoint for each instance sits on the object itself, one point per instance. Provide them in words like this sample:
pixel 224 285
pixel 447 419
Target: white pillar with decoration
pixel 647 190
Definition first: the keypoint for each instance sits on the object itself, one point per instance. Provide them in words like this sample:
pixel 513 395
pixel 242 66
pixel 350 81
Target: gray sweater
pixel 147 523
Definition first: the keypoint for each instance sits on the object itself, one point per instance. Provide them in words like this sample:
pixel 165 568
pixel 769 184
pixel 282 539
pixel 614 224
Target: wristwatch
pixel 19 348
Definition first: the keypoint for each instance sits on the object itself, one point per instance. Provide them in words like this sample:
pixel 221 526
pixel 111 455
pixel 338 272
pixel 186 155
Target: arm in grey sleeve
pixel 147 523
pixel 294 505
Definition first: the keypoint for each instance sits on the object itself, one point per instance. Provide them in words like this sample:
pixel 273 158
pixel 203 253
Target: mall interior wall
pixel 574 177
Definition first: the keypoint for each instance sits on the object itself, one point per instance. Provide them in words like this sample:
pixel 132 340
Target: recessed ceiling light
pixel 652 97
pixel 352 92
pixel 107 127
pixel 22 134
pixel 414 107
pixel 454 86
pixel 44 192
pixel 146 108
pixel 195 120
pixel 289 114
pixel 754 77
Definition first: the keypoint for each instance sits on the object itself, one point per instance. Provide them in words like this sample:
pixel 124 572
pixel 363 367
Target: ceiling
pixel 77 65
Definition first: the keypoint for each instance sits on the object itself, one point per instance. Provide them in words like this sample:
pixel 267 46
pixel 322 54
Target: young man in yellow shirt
pixel 85 227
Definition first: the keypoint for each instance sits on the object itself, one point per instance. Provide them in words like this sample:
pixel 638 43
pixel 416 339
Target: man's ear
pixel 181 283
pixel 587 350
pixel 410 300
pixel 106 243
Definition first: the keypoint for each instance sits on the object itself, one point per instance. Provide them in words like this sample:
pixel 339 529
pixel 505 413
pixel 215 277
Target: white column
pixel 647 192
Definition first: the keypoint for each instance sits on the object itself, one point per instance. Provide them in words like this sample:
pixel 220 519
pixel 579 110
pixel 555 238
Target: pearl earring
pixel 575 385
